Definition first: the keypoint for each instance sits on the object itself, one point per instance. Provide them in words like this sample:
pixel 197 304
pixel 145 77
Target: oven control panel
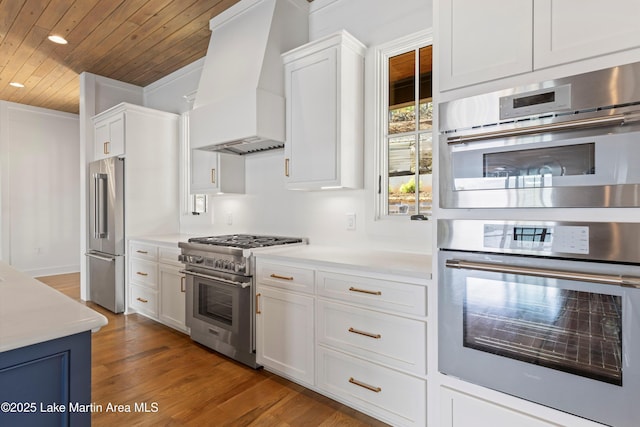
pixel 538 238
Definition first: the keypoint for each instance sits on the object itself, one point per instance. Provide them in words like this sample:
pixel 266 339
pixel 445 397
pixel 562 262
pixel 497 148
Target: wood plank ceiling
pixel 134 41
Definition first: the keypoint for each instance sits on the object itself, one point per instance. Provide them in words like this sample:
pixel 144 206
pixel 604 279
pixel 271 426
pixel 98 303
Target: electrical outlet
pixel 229 218
pixel 351 221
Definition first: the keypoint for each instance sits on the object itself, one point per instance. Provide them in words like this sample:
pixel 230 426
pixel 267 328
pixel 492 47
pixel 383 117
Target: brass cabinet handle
pixel 142 252
pixel 183 279
pixel 142 300
pixel 286 167
pixel 105 147
pixel 213 176
pixel 365 385
pixel 365 291
pixel 366 334
pixel 258 304
pixel 277 276
pixel 140 273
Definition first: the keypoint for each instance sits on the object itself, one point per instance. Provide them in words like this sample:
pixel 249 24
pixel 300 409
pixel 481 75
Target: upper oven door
pixel 559 335
pixel 577 168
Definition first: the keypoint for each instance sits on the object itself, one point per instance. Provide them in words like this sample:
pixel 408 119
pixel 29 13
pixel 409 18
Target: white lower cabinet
pixel 384 338
pixel 358 338
pixel 156 286
pixel 172 310
pixel 284 325
pixel 462 410
pixel 397 398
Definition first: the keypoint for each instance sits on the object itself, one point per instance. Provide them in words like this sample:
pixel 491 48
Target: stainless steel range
pixel 220 291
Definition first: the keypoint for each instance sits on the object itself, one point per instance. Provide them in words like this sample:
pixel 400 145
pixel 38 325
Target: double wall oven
pixel 220 291
pixel 546 311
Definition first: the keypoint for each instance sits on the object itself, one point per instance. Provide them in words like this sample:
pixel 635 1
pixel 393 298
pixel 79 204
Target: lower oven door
pixel 559 333
pixel 220 314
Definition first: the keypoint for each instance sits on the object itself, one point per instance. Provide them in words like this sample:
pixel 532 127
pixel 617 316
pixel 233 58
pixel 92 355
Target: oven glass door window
pixel 215 303
pixel 568 330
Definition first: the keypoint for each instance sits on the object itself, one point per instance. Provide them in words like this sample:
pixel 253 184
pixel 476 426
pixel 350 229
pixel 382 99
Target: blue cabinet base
pixel 47 384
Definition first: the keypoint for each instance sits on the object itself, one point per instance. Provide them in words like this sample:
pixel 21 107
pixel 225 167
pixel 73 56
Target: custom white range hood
pixel 240 107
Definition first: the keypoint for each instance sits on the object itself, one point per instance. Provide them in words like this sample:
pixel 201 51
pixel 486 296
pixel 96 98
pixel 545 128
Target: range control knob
pixel 240 267
pixel 218 263
pixel 194 259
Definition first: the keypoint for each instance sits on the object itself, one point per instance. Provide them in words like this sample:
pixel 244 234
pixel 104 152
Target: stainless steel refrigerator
pixel 106 247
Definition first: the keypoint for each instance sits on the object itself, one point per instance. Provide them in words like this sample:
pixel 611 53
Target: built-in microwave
pixel 570 142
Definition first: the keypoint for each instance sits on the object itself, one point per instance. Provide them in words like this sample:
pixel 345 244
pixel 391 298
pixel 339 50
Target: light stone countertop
pixel 170 240
pixel 32 312
pixel 408 264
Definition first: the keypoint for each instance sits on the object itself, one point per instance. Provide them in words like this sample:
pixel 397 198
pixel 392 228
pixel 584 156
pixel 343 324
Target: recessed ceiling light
pixel 16 84
pixel 57 39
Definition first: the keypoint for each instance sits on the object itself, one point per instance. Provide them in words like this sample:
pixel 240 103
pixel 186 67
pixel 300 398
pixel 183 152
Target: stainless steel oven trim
pixel 608 279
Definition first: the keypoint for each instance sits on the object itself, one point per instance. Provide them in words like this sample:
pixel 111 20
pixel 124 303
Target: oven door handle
pixel 613 120
pixel 217 279
pixel 609 279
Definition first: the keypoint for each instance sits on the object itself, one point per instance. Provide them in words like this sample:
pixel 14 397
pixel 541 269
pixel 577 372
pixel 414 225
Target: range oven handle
pixel 613 120
pixel 609 279
pixel 217 279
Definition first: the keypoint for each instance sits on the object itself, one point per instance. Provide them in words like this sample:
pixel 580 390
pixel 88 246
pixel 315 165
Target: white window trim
pixel 381 101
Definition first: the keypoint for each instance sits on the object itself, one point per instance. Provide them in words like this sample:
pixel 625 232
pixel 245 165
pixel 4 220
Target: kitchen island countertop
pixel 32 312
pixel 410 264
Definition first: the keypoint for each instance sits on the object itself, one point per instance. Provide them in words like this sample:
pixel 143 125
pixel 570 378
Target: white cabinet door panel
pixel 572 30
pixel 484 40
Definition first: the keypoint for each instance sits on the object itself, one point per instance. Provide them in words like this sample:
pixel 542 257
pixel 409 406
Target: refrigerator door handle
pixel 100 206
pixel 102 258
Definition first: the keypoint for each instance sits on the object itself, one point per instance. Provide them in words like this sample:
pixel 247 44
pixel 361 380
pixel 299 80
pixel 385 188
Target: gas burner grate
pixel 245 241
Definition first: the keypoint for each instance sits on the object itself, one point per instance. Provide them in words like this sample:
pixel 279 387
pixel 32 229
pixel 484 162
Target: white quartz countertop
pixel 376 261
pixel 32 312
pixel 163 239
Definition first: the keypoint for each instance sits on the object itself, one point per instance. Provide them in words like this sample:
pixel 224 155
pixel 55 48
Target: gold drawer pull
pixel 258 304
pixel 105 148
pixel 142 252
pixel 277 276
pixel 140 273
pixel 142 300
pixel 365 291
pixel 366 334
pixel 213 176
pixel 286 167
pixel 182 284
pixel 365 385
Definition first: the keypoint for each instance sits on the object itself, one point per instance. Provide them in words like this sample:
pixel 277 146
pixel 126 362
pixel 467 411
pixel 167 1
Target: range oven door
pixel 578 168
pixel 566 335
pixel 220 313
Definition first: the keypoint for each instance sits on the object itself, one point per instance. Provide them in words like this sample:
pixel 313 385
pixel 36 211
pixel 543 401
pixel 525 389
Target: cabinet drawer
pixel 169 256
pixel 392 340
pixel 143 251
pixel 385 294
pixel 143 272
pixel 285 277
pixel 144 300
pixel 398 398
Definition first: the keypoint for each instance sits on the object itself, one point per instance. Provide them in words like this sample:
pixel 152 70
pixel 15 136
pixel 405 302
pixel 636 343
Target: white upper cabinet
pixel 494 39
pixel 109 135
pixel 484 40
pixel 324 88
pixel 571 30
pixel 213 173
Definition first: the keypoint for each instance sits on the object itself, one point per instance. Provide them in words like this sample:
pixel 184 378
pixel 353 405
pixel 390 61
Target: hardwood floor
pixel 139 361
